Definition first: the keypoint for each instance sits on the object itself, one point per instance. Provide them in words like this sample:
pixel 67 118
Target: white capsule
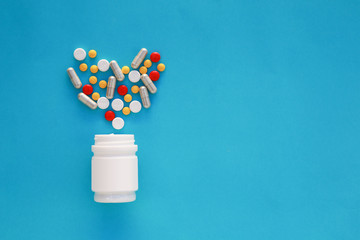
pixel 74 78
pixel 117 104
pixel 139 58
pixel 135 106
pixel 117 70
pixel 148 83
pixel 118 123
pixel 79 54
pixel 87 101
pixel 134 76
pixel 103 65
pixel 111 87
pixel 145 97
pixel 103 103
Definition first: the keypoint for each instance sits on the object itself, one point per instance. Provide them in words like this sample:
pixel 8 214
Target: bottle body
pixel 114 168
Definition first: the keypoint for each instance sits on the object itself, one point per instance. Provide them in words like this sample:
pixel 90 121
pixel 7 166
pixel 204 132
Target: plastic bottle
pixel 114 168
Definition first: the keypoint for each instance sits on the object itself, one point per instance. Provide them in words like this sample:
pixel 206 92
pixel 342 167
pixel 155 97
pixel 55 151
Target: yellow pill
pixel 93 79
pixel 94 69
pixel 102 84
pixel 83 67
pixel 125 69
pixel 92 53
pixel 143 70
pixel 95 96
pixel 126 111
pixel 161 67
pixel 147 63
pixel 127 98
pixel 135 89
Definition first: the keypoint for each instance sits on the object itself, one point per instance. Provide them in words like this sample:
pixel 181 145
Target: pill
pixel 135 106
pixel 109 115
pixel 117 104
pixel 125 69
pixel 93 79
pixel 74 78
pixel 103 103
pixel 139 58
pixel 122 90
pixel 145 97
pixel 127 98
pixel 134 76
pixel 147 63
pixel 148 83
pixel 111 87
pixel 79 54
pixel 154 75
pixel 161 67
pixel 103 65
pixel 87 89
pixel 95 96
pixel 102 84
pixel 143 70
pixel 155 57
pixel 87 101
pixel 126 111
pixel 117 70
pixel 83 67
pixel 94 69
pixel 135 89
pixel 118 123
pixel 92 53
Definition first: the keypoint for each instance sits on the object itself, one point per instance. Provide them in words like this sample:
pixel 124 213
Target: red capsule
pixel 87 89
pixel 155 57
pixel 122 90
pixel 109 115
pixel 154 75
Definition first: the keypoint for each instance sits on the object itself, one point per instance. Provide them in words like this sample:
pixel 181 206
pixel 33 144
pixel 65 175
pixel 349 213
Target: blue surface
pixel 253 134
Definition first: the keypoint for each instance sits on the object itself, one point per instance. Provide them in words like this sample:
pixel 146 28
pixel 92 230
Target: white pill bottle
pixel 114 168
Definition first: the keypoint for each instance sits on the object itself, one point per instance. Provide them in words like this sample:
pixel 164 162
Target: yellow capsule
pixel 93 79
pixel 126 111
pixel 143 70
pixel 135 89
pixel 125 69
pixel 94 69
pixel 147 63
pixel 95 96
pixel 92 53
pixel 83 67
pixel 127 98
pixel 161 67
pixel 102 84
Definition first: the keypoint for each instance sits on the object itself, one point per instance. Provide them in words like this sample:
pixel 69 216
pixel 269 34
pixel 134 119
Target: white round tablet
pixel 103 103
pixel 135 106
pixel 134 76
pixel 103 65
pixel 118 123
pixel 117 104
pixel 79 54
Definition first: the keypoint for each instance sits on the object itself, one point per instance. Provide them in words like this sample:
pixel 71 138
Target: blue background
pixel 253 134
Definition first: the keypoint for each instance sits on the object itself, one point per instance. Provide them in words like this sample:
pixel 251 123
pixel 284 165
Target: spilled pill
pixel 74 78
pixel 87 101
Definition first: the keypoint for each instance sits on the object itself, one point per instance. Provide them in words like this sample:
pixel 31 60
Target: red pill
pixel 155 57
pixel 109 115
pixel 122 90
pixel 154 75
pixel 87 89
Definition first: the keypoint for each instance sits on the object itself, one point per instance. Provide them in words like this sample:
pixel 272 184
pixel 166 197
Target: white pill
pixel 79 54
pixel 117 104
pixel 103 103
pixel 134 76
pixel 103 65
pixel 135 106
pixel 118 123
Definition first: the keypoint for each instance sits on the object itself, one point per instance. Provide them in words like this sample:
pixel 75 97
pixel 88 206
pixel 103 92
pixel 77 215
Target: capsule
pixel 145 97
pixel 74 78
pixel 148 83
pixel 111 87
pixel 87 101
pixel 117 70
pixel 139 58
